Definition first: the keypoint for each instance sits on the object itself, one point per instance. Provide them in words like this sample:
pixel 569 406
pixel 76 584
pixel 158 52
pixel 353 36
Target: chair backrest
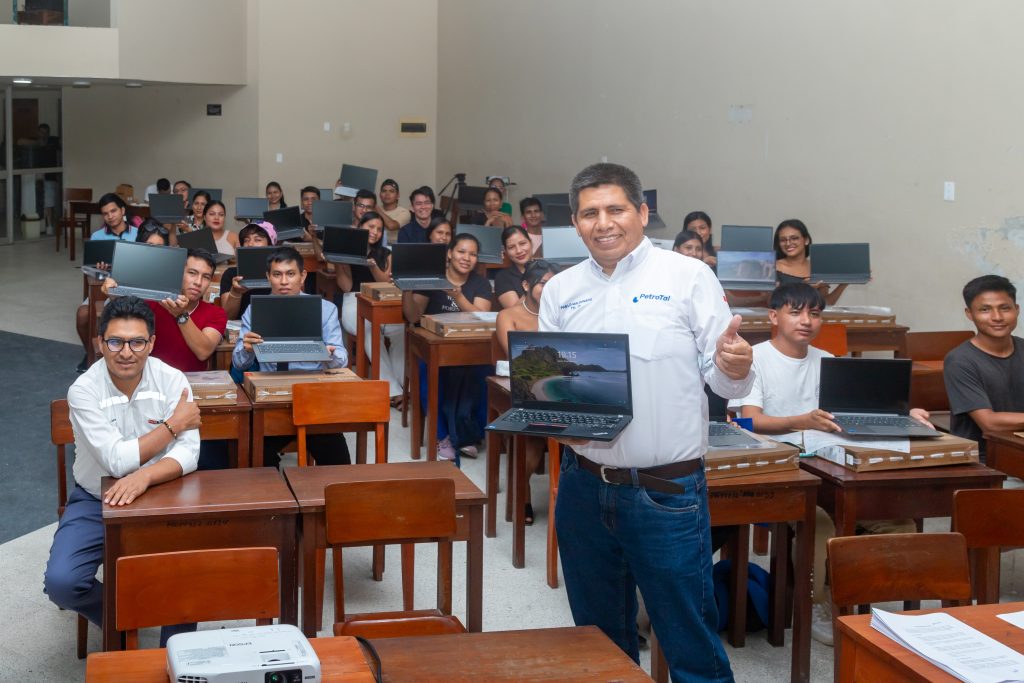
pixel 831 338
pixel 934 345
pixel 342 403
pixel 894 567
pixel 988 520
pixel 61 435
pixel 77 194
pixel 196 585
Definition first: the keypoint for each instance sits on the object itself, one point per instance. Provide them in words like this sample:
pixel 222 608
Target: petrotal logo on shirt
pixel 651 297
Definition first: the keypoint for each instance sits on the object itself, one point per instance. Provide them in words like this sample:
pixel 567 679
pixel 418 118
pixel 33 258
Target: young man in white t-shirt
pixel 783 402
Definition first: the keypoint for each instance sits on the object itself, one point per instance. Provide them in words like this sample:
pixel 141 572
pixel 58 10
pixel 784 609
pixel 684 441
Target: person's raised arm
pixel 243 356
pixel 343 276
pixel 331 331
pixel 381 274
pixel 389 222
pixel 231 301
pixel 414 306
pixel 202 342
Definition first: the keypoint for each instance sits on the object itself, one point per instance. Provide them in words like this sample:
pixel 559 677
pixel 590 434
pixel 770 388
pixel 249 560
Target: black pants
pixel 325 449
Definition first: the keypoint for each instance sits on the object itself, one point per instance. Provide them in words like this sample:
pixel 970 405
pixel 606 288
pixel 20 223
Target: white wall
pixel 58 51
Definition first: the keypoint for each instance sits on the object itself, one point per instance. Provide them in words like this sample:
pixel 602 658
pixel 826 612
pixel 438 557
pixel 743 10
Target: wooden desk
pixel 308 484
pixel 377 313
pixel 1005 452
pixel 850 496
pixel 867 656
pixel 233 508
pixel 864 332
pixel 222 356
pixel 341 661
pixel 437 352
pixel 231 423
pixel 581 654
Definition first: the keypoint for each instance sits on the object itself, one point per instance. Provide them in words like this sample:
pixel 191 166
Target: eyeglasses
pixel 137 345
pixel 364 206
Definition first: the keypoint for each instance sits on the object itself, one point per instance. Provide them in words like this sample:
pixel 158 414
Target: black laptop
pixel 326 194
pixel 471 197
pixel 568 384
pixel 332 213
pixel 838 264
pixel 558 216
pixel 291 328
pixel 870 396
pixel 654 221
pixel 97 251
pixel 251 208
pixel 148 271
pixel 203 239
pixel 723 434
pixel 748 238
pixel 552 198
pixel 343 244
pixel 167 208
pixel 420 267
pixel 489 237
pixel 355 178
pixel 287 222
pixel 252 266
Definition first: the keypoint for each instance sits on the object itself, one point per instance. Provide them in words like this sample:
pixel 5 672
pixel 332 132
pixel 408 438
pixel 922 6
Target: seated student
pixel 793 258
pixel 533 221
pixel 133 419
pixel 214 214
pixel 498 183
pixel 181 189
pixel 287 275
pixel 440 230
pixel 783 402
pixel 524 316
pixel 234 298
pixel 153 232
pixel 194 220
pixel 462 403
pixel 689 244
pixel 307 195
pixel 508 282
pixel 364 202
pixel 492 214
pixel 422 201
pixel 984 375
pixel 394 216
pixel 275 196
pixel 700 223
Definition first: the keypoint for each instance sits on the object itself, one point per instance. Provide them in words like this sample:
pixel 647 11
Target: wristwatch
pixel 183 318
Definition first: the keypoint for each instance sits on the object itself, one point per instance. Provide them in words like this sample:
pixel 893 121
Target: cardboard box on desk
pixel 943 450
pixel 213 388
pixel 268 387
pixel 464 324
pixel 380 291
pixel 738 462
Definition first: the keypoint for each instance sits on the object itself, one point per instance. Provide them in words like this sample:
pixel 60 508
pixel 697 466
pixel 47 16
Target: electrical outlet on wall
pixel 279 158
pixel 949 191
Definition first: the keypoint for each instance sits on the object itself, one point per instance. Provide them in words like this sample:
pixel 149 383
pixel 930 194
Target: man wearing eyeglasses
pixel 133 419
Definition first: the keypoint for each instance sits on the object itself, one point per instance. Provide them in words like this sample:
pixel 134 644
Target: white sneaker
pixel 821 622
pixel 469 451
pixel 445 450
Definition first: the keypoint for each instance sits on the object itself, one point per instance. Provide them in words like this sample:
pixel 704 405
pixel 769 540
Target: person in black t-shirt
pixel 462 404
pixel 508 282
pixel 234 298
pixel 984 376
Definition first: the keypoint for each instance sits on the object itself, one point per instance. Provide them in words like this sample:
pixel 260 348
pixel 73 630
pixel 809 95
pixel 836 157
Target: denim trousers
pixel 614 539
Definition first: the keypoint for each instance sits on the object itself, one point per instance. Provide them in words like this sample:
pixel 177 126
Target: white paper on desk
pixel 814 439
pixel 486 316
pixel 951 645
pixel 1015 618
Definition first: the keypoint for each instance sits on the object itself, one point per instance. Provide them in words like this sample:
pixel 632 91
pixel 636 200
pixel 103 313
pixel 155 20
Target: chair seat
pixel 424 622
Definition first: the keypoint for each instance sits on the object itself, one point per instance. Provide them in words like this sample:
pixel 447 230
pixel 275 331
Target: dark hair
pixel 111 197
pixel 184 182
pixel 253 227
pixel 513 230
pixel 496 191
pixel 796 224
pixel 310 188
pixel 163 185
pixel 366 194
pixel 46 126
pixel 709 248
pixel 274 183
pixel 200 193
pixel 527 202
pixel 204 256
pixel 605 173
pixel 283 254
pixel 536 270
pixel 389 182
pixel 684 237
pixel 126 308
pixel 798 296
pixel 437 221
pixel 425 191
pixel 988 283
pixel 463 237
pixel 378 252
pixel 212 203
pixel 151 226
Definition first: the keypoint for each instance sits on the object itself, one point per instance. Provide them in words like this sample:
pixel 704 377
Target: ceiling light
pixel 23 81
pixel 80 84
pixel 133 84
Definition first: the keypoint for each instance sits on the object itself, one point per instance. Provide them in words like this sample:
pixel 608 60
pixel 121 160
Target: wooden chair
pixel 831 338
pixel 406 512
pixel 987 520
pixel 934 345
pixel 927 350
pixel 62 436
pixel 68 224
pixel 342 403
pixel 196 585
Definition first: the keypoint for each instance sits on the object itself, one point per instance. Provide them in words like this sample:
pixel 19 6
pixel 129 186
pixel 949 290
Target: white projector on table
pixel 256 654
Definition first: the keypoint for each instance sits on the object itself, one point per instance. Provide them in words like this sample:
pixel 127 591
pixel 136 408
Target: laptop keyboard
pixel 721 429
pixel 880 420
pixel 150 294
pixel 549 417
pixel 256 284
pixel 292 347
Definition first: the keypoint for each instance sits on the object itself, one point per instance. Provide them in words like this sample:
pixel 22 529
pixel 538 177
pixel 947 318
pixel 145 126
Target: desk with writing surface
pixel 232 508
pixel 1004 451
pixel 231 423
pixel 374 313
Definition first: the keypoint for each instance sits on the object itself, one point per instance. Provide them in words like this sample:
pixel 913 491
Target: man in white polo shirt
pixel 633 513
pixel 133 419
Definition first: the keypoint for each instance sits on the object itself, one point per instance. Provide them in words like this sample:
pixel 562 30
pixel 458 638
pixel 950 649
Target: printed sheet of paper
pixel 813 440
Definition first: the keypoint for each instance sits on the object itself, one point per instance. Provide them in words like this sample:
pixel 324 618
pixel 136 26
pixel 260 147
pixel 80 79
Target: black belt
pixel 655 478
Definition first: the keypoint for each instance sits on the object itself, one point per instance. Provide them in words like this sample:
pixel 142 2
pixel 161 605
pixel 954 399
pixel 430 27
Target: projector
pixel 257 654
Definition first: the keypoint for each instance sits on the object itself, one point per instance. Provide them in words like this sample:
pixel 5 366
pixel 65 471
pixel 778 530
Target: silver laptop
pixel 287 222
pixel 326 194
pixel 291 328
pixel 97 251
pixel 332 213
pixel 355 178
pixel 420 267
pixel 563 246
pixel 251 208
pixel 166 208
pixel 838 264
pixel 870 396
pixel 215 193
pixel 147 271
pixel 748 238
pixel 343 244
pixel 252 266
pixel 723 434
pixel 750 271
pixel 491 249
pixel 203 239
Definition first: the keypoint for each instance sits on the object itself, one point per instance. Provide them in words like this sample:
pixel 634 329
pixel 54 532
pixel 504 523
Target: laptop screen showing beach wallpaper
pixel 565 371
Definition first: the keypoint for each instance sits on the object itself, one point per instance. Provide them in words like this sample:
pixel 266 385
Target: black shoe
pixel 84 365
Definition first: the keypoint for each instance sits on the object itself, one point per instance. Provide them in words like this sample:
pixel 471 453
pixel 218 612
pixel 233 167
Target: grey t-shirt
pixel 976 380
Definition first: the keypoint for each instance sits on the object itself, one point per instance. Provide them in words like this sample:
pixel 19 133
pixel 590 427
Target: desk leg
pixel 360 345
pixel 846 512
pixel 374 361
pixel 738 578
pixel 111 551
pixel 415 434
pixel 518 492
pixel 289 569
pixel 244 436
pixel 432 404
pixel 780 581
pixel 493 466
pixel 801 667
pixel 475 570
pixel 311 525
pixel 257 438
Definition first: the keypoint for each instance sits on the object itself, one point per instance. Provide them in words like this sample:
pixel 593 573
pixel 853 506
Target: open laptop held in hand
pixel 346 245
pixel 420 267
pixel 870 397
pixel 252 266
pixel 97 251
pixel 287 222
pixel 148 271
pixel 203 239
pixel 290 326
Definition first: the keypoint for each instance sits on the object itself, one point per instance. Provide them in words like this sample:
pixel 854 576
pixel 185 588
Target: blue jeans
pixel 614 539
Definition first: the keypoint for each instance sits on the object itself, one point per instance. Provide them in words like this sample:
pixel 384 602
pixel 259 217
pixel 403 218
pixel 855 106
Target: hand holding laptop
pixel 251 338
pixel 177 306
pixel 733 354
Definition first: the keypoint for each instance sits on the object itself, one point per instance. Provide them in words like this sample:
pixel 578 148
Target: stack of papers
pixel 953 646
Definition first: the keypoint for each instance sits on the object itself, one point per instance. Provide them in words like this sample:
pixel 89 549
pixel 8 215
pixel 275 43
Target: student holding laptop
pixel 633 512
pixel 793 258
pixel 492 214
pixel 214 215
pixel 194 220
pixel 308 195
pixel 234 297
pixel 508 282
